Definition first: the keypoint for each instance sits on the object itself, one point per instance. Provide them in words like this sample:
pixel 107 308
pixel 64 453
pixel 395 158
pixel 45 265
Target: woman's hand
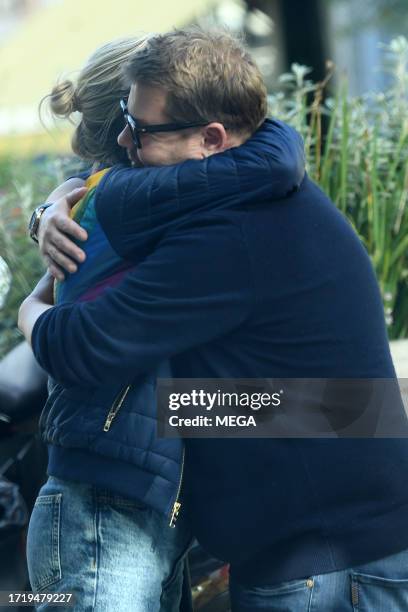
pixel 39 300
pixel 54 233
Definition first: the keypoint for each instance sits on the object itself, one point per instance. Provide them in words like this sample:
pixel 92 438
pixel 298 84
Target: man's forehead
pixel 132 97
pixel 147 103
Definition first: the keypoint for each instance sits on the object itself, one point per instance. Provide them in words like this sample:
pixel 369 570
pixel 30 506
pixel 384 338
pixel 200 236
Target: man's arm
pixel 129 201
pixel 195 287
pixel 134 204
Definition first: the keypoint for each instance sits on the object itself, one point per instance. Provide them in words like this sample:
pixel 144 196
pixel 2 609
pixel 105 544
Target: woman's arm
pixel 39 301
pixel 65 188
pixel 58 251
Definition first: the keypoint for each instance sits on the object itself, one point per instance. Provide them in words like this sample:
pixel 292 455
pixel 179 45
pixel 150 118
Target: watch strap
pixel 35 220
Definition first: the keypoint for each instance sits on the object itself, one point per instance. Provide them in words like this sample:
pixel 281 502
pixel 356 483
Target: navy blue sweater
pixel 243 284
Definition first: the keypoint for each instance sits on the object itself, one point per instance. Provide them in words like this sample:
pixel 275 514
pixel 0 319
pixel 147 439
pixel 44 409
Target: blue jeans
pixel 378 586
pixel 112 552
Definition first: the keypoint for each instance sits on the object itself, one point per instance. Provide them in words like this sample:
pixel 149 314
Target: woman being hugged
pixel 103 525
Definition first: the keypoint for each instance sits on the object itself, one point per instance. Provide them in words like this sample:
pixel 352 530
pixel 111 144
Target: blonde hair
pixel 208 76
pixel 96 94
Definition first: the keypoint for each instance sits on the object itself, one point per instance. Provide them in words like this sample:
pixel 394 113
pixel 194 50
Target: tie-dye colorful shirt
pixel 103 267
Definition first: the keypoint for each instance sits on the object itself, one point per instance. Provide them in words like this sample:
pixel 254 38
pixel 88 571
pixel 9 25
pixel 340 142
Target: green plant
pixel 361 163
pixel 23 185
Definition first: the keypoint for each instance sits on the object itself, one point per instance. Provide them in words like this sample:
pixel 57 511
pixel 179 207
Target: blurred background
pixel 337 70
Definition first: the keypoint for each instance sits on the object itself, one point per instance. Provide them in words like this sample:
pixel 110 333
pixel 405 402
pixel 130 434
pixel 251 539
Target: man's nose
pixel 125 138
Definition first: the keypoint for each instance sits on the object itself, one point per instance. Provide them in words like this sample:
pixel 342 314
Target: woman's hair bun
pixel 63 100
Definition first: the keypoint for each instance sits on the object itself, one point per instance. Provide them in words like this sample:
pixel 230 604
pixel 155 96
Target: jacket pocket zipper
pixel 177 505
pixel 116 406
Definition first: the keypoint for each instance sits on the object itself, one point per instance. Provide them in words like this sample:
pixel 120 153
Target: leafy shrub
pixel 362 164
pixel 24 184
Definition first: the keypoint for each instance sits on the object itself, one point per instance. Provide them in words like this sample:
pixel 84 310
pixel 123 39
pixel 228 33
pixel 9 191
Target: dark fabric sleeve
pixel 195 287
pixel 135 207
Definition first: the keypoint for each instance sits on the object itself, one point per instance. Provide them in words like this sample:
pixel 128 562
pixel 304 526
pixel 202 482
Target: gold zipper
pixel 177 505
pixel 116 406
pixel 354 594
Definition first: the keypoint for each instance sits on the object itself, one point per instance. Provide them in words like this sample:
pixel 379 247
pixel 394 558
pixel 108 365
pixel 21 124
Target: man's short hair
pixel 208 76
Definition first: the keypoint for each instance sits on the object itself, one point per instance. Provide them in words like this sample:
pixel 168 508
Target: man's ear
pixel 215 138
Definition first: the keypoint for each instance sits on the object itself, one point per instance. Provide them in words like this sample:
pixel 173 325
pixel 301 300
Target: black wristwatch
pixel 35 220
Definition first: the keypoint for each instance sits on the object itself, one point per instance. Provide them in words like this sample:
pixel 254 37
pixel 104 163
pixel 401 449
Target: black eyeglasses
pixel 137 130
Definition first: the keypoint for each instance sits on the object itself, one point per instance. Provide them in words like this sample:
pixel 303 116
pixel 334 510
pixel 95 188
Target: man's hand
pixel 56 228
pixel 39 300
